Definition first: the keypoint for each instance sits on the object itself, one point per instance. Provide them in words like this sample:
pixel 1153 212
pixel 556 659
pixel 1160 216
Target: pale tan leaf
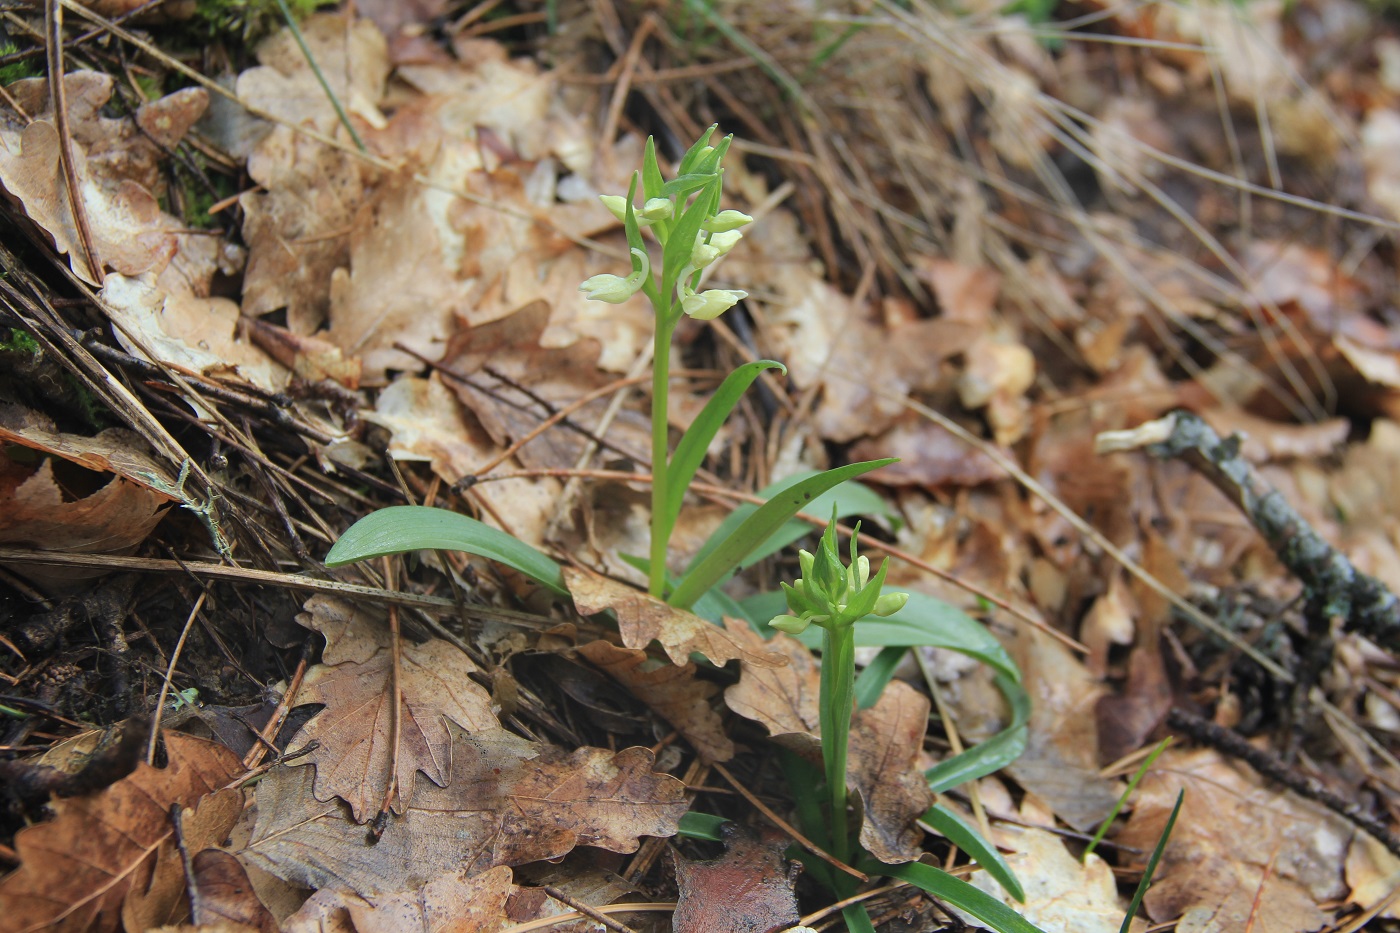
pixel 671 690
pixel 784 699
pixel 77 869
pixel 506 802
pixel 642 618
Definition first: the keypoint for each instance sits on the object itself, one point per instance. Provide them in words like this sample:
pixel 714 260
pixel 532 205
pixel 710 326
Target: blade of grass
pixel 693 825
pixel 401 528
pixel 1151 869
pixel 956 892
pixel 1127 792
pixel 340 113
pixel 951 827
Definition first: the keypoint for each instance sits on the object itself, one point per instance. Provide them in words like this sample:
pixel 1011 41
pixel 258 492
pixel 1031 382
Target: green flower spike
pixel 614 289
pixel 831 594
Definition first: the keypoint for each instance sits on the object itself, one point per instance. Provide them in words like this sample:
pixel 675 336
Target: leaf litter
pixel 459 250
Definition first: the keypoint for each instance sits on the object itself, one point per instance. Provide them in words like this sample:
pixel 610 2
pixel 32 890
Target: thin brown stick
pixel 592 913
pixel 268 736
pixel 787 827
pixel 169 673
pixel 58 96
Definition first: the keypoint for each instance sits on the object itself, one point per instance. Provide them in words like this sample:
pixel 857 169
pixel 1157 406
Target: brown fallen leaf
pixel 885 742
pixel 36 510
pixel 1240 852
pixel 749 889
pixel 77 869
pixel 352 760
pixel 669 689
pixel 457 902
pixel 884 771
pixel 163 898
pixel 642 618
pixel 507 801
pixel 223 893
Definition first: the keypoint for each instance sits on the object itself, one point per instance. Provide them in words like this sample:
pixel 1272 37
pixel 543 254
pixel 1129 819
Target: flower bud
pixel 726 220
pixel 790 624
pixel 710 304
pixel 616 205
pixel 614 289
pixel 890 603
pixel 656 209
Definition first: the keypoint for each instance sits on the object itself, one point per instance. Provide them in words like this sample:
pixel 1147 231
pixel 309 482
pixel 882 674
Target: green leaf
pixel 870 683
pixel 952 827
pixel 769 517
pixel 924 620
pixel 690 452
pixel 956 892
pixel 403 528
pixel 1151 869
pixel 1137 777
pixel 849 498
pixel 695 825
pixel 683 185
pixel 629 220
pixel 995 753
pixel 681 243
pixel 857 919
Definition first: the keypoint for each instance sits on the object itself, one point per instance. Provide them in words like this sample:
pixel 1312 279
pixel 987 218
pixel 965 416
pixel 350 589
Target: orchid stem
pixel 660 451
pixel 838 696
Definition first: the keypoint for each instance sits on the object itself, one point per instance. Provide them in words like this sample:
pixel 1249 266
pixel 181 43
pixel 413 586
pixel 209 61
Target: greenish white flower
pixel 890 603
pixel 649 213
pixel 830 593
pixel 615 289
pixel 711 303
pixel 793 625
pixel 725 221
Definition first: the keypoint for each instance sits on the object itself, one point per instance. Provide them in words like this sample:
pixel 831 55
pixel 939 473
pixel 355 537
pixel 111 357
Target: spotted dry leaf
pixel 507 801
pixel 642 618
pixel 671 690
pixel 354 751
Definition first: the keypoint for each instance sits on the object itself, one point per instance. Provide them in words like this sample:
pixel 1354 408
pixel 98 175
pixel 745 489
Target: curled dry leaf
pixel 749 889
pixel 642 618
pixel 78 869
pixel 354 752
pixel 223 893
pixel 671 690
pixel 507 801
pixel 884 745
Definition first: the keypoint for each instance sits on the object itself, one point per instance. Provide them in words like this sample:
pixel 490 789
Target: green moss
pixel 249 18
pixel 14 71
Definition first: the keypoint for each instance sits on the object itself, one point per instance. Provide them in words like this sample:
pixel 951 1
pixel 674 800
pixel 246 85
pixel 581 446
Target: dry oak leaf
pixel 671 690
pixel 454 903
pixel 352 760
pixel 885 740
pixel 163 899
pixel 749 889
pixel 1241 853
pixel 77 869
pixel 507 801
pixel 642 618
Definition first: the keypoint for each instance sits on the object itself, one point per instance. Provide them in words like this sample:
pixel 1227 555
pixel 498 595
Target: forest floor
pixel 1046 255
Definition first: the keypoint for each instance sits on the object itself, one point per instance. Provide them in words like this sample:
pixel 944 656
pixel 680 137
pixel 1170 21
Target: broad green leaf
pixel 992 755
pixel 871 681
pixel 956 892
pixel 924 620
pixel 769 517
pixel 952 827
pixel 1151 869
pixel 857 919
pixel 403 528
pixel 690 452
pixel 701 826
pixel 849 498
